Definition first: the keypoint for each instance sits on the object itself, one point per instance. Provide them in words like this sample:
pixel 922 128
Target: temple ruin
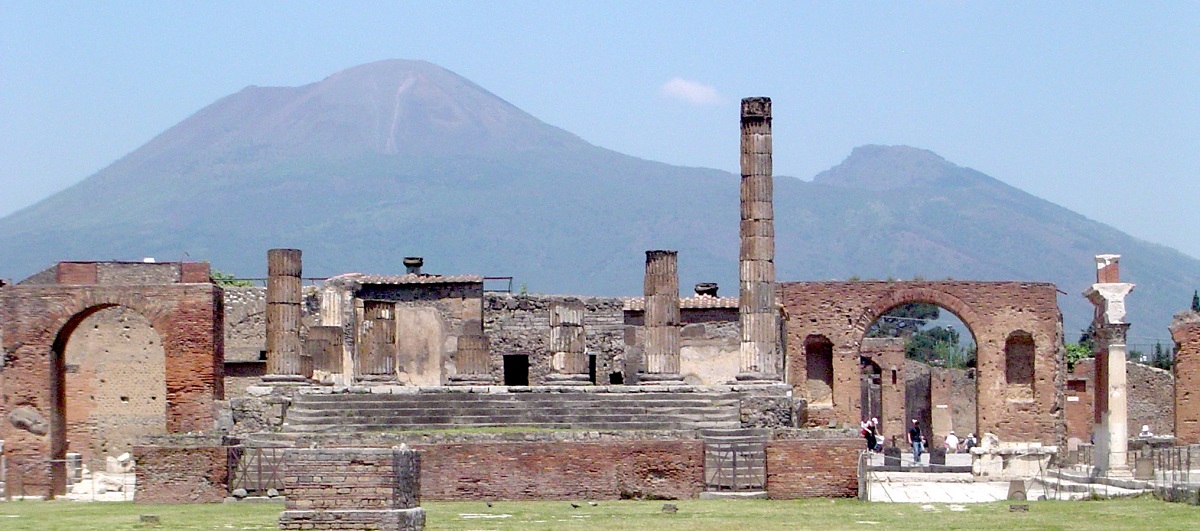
pixel 656 388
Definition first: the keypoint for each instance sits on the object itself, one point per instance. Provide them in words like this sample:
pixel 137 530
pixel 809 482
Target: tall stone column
pixel 1111 402
pixel 662 318
pixel 760 359
pixel 283 316
pixel 568 353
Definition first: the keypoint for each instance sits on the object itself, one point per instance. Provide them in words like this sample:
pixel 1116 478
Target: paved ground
pixel 960 488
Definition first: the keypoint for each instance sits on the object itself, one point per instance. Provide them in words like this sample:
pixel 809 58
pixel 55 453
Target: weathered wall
pixel 429 319
pixel 520 324
pixel 888 355
pixel 1185 330
pixel 565 471
pixel 38 319
pixel 115 386
pixel 842 311
pixel 710 339
pixel 813 468
pixel 1151 399
pixel 181 474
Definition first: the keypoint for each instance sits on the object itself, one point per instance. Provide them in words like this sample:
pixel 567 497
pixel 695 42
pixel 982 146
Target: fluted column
pixel 283 316
pixel 568 354
pixel 662 318
pixel 758 314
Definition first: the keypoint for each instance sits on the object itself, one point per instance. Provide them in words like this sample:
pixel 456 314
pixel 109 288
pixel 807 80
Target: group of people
pixel 916 439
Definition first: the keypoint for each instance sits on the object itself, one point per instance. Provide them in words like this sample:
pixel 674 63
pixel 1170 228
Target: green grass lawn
pixel 694 515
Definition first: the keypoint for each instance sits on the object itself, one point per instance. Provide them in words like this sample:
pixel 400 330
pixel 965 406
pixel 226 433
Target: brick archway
pixel 39 315
pixel 842 312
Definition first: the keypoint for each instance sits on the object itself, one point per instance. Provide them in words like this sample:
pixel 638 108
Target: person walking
pixel 916 441
pixel 868 433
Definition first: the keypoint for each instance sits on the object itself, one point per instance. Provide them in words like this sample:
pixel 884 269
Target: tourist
pixel 917 442
pixel 970 442
pixel 952 443
pixel 1146 431
pixel 868 433
pixel 878 434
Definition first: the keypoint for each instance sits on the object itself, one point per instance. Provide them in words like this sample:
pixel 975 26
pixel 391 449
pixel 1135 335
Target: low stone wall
pixel 812 468
pixel 181 474
pixel 557 471
pixel 352 488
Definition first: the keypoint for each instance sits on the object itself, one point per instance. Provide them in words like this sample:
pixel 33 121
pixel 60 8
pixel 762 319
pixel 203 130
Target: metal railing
pixel 735 465
pixel 256 470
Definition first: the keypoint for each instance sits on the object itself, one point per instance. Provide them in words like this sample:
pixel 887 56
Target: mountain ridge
pixel 360 171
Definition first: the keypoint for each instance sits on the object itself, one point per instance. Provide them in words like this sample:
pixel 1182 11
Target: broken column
pixel 283 317
pixel 760 360
pixel 568 354
pixel 1112 433
pixel 662 318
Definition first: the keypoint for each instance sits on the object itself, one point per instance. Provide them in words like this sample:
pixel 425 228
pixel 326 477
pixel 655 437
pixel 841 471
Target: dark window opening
pixel 592 368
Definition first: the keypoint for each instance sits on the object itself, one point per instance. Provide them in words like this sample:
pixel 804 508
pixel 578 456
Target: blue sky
pixel 1092 105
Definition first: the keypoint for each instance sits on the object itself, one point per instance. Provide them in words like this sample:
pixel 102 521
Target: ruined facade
pixel 72 385
pixel 1017 328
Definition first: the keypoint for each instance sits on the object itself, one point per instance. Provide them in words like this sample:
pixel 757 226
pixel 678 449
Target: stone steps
pixel 445 410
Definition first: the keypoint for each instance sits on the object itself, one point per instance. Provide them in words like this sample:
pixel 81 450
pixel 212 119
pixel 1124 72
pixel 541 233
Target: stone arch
pixel 892 299
pixel 40 314
pixel 935 419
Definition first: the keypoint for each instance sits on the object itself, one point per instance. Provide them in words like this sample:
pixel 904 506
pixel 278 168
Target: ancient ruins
pixel 623 397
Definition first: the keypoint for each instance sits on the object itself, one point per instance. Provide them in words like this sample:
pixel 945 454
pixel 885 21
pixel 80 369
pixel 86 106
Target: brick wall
pixel 38 320
pixel 561 471
pixel 350 478
pixel 1185 330
pixel 812 468
pixel 181 474
pixel 1150 399
pixel 842 311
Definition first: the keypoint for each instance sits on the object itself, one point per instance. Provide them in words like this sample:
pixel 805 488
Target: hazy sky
pixel 1094 106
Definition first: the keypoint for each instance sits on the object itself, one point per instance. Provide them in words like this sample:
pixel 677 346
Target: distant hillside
pixel 401 158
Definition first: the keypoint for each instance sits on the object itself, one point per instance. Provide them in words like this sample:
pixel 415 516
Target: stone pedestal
pixel 353 488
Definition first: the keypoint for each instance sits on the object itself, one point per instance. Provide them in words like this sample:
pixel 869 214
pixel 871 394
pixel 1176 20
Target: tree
pixel 1163 358
pixel 1196 301
pixel 1076 352
pixel 904 320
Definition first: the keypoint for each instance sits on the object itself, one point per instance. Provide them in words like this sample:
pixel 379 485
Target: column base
pixel 283 379
pixel 470 380
pixel 656 379
pixel 757 378
pixel 568 379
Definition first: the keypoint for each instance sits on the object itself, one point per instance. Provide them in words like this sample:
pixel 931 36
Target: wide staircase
pixel 317 413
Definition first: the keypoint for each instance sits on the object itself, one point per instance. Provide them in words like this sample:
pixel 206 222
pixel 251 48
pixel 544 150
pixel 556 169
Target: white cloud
pixel 690 91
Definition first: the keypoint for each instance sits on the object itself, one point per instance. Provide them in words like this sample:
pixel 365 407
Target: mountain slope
pixel 401 158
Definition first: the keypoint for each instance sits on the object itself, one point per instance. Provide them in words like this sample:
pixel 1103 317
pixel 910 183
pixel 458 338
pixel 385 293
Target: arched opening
pixel 108 388
pixel 925 356
pixel 818 364
pixel 1019 350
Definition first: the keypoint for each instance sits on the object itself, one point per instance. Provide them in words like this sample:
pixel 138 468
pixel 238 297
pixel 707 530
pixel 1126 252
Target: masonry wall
pixel 38 319
pixel 565 471
pixel 520 324
pixel 1150 402
pixel 842 311
pixel 181 474
pixel 709 344
pixel 812 468
pixel 1185 330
